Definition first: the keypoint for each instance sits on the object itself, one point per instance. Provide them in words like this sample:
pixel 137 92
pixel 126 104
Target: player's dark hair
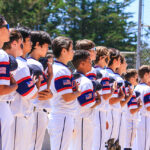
pixel 40 36
pixel 59 43
pixel 143 70
pixel 14 36
pixel 25 32
pixel 79 56
pixel 122 59
pixel 130 73
pixel 113 54
pixel 101 51
pixel 84 44
pixel 2 20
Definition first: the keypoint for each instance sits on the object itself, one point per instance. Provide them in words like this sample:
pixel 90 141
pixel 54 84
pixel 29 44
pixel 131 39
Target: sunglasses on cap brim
pixel 6 26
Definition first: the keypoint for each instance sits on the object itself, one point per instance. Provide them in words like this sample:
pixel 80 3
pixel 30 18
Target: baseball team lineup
pixel 98 104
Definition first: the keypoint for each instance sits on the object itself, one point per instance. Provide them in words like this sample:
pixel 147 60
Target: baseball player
pixel 22 106
pixel 7 86
pixel 84 122
pixel 63 104
pixel 114 101
pixel 133 110
pixel 40 43
pixel 102 59
pixel 90 47
pixel 123 121
pixel 143 132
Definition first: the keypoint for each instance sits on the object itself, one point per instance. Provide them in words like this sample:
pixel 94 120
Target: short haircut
pixel 2 20
pixel 143 70
pixel 79 56
pixel 122 59
pixel 14 36
pixel 59 43
pixel 130 73
pixel 113 54
pixel 40 36
pixel 25 32
pixel 101 51
pixel 84 44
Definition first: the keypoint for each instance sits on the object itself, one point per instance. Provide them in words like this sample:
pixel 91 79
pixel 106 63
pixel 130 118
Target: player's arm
pixel 127 98
pixel 6 89
pixel 7 82
pixel 98 100
pixel 64 86
pixel 147 100
pixel 117 97
pixel 71 96
pixel 133 111
pixel 26 86
pixel 107 91
pixel 50 75
pixel 134 105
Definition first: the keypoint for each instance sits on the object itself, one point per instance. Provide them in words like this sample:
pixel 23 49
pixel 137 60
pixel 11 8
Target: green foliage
pixel 103 21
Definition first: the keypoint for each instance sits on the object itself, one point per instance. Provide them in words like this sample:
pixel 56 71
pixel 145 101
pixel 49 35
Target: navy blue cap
pixel 13 63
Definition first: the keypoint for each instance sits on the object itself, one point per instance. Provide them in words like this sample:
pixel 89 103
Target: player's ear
pixel 37 44
pixel 63 52
pixel 14 44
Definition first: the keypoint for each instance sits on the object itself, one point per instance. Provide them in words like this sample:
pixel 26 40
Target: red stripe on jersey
pixel 25 78
pixel 88 102
pixel 4 63
pixel 25 94
pixel 146 94
pixel 132 105
pixel 66 88
pixel 63 77
pixel 106 89
pixel 43 84
pixel 146 103
pixel 87 91
pixel 90 74
pixel 105 78
pixel 4 78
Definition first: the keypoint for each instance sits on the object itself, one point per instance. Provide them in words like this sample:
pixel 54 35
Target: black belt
pixel 44 110
pixel 8 102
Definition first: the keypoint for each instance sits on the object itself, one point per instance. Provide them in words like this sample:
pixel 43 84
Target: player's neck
pixel 81 70
pixel 144 81
pixel 112 67
pixel 24 55
pixel 119 71
pixel 62 60
pixel 34 55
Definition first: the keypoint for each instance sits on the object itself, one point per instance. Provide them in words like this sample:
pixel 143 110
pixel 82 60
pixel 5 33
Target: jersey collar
pixel 96 66
pixel 60 63
pixel 23 58
pixel 31 58
pixel 143 83
pixel 110 69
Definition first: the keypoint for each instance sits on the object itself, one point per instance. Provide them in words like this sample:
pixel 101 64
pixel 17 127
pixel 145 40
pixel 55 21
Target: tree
pixel 31 13
pixel 103 21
